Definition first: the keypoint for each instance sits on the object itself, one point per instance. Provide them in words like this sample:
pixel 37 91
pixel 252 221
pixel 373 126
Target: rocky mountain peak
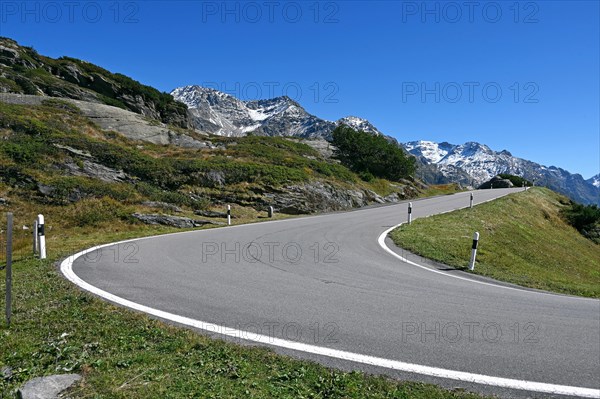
pixel 357 123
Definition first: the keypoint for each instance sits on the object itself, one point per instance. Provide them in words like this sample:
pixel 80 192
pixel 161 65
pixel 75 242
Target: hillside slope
pixel 24 71
pixel 53 153
pixel 524 240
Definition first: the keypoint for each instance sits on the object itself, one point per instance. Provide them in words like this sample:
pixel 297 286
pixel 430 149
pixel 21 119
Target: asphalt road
pixel 326 282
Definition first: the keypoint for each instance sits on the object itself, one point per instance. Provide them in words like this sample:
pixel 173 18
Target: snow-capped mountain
pixel 474 163
pixel 595 180
pixel 471 163
pixel 357 123
pixel 219 113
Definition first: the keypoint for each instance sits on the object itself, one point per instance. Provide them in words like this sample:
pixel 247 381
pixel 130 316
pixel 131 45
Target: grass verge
pixel 524 240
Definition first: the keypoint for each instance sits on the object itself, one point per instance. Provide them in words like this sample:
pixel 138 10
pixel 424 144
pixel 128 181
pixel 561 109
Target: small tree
pixel 366 154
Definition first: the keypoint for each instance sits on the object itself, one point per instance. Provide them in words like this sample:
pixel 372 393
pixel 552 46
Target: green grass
pixel 524 240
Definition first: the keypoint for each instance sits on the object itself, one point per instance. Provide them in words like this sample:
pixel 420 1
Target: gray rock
pixel 174 221
pixel 74 151
pixel 393 197
pixel 47 387
pixel 374 197
pixel 212 214
pixel 3 201
pixel 97 171
pixel 163 205
pixel 315 197
pixel 45 190
pixel 213 178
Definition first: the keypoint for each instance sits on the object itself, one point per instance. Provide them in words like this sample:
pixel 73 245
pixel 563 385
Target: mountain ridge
pixel 220 113
pixel 481 163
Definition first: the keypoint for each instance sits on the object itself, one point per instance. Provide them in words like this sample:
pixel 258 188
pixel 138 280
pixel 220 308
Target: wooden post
pixel 9 237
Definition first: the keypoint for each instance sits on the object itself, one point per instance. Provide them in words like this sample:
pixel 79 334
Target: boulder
pixel 47 387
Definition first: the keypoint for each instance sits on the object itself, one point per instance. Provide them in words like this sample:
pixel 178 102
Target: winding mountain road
pixel 326 288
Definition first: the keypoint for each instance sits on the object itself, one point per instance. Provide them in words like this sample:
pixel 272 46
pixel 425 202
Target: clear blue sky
pixel 417 72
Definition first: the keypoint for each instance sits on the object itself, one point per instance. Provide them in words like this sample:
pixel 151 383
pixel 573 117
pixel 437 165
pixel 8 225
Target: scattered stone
pixel 47 387
pixel 162 205
pixel 175 221
pixel 3 201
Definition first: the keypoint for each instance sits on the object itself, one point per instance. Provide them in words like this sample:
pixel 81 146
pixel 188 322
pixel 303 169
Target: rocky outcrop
pixel 318 196
pixel 174 221
pixel 129 124
pixel 95 170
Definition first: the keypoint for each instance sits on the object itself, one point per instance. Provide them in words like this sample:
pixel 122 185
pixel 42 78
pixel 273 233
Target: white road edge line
pixel 66 268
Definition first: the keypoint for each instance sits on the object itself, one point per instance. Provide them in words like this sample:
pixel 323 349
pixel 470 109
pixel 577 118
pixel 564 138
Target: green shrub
pixel 585 218
pixel 366 176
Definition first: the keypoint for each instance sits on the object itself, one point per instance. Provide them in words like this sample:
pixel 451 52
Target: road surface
pixel 325 288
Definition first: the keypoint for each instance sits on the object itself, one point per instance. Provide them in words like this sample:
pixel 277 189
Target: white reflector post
pixel 41 236
pixel 474 251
